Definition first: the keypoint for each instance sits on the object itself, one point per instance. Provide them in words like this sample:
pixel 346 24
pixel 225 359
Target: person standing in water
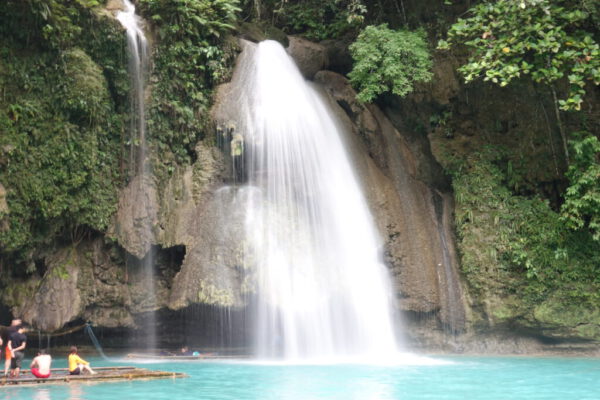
pixel 40 365
pixel 77 364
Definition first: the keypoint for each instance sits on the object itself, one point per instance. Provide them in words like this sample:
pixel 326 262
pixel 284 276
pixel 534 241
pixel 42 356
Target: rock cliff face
pixel 197 232
pixel 194 213
pixel 85 282
pixel 413 214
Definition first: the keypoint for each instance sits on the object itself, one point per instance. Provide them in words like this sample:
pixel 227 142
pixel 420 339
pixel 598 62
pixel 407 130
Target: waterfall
pixel 138 64
pixel 322 291
pixel 137 46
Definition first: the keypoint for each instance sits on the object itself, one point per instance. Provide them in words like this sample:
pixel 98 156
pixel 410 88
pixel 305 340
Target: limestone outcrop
pixel 196 213
pixel 309 57
pixel 192 212
pixel 81 283
pixel 136 216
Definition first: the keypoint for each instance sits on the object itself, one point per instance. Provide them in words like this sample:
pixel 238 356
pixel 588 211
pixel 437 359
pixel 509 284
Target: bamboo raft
pixel 61 376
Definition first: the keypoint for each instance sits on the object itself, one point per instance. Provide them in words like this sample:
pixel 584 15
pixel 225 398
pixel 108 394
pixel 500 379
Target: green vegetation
pixel 546 39
pixel 190 57
pixel 64 111
pixel 316 19
pixel 516 245
pixel 581 208
pixel 60 121
pixel 386 60
pixel 44 23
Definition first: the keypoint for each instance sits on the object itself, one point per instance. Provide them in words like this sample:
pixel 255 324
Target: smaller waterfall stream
pixel 138 67
pixel 322 290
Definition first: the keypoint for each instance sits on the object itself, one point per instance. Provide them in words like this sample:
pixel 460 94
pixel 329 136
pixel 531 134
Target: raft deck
pixel 61 376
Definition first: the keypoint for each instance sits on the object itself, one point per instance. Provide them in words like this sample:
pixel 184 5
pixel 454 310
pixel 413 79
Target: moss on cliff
pixel 522 264
pixel 61 122
pixel 561 316
pixel 191 54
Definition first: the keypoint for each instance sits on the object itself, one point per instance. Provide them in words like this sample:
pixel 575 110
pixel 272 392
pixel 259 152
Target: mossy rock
pixel 506 309
pixel 17 293
pixel 87 96
pixel 568 319
pixel 210 294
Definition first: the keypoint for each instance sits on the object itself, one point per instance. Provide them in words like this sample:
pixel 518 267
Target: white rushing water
pixel 138 64
pixel 137 47
pixel 322 290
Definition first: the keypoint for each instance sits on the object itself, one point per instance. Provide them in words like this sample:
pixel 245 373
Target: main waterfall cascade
pixel 137 46
pixel 322 291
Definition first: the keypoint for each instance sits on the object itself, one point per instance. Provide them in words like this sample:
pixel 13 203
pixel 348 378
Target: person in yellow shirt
pixel 77 364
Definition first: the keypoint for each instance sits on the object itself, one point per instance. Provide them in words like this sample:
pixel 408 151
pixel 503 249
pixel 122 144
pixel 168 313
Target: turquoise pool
pixel 444 378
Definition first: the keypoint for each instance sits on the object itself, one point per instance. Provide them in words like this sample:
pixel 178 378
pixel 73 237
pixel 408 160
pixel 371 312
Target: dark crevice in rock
pixel 200 327
pixel 347 108
pixel 453 312
pixel 5 314
pixel 206 325
pixel 41 267
pixel 174 257
pixel 429 170
pixel 165 263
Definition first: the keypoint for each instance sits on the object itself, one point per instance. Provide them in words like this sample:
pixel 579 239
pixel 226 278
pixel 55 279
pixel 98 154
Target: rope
pixel 90 332
pixel 55 334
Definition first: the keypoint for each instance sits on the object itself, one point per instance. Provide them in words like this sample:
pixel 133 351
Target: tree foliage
pixel 581 208
pixel 387 60
pixel 54 24
pixel 546 39
pixel 317 19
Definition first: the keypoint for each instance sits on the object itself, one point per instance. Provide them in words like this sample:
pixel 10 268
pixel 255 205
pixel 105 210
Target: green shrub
pixel 581 208
pixel 386 60
pixel 59 147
